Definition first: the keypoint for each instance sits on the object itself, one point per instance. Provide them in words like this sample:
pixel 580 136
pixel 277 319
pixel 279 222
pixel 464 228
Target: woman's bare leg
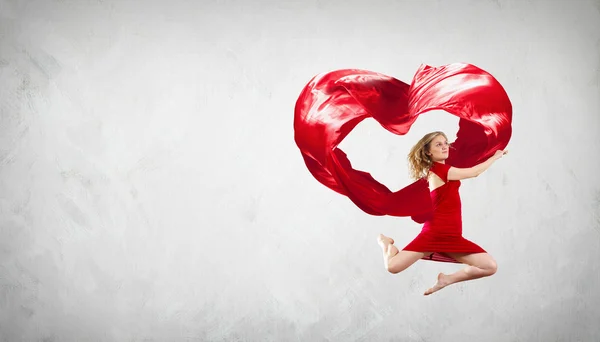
pixel 396 261
pixel 480 265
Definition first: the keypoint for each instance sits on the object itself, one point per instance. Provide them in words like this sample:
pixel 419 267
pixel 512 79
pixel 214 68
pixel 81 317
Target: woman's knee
pixel 402 260
pixel 395 268
pixel 491 266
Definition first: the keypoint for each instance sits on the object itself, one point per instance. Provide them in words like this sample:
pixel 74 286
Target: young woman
pixel 441 237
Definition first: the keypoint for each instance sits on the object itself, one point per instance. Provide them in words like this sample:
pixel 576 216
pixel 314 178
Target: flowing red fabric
pixel 333 103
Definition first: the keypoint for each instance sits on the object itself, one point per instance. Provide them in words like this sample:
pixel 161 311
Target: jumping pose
pixel 441 236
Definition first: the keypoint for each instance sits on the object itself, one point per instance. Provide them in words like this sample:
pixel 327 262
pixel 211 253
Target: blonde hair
pixel 418 160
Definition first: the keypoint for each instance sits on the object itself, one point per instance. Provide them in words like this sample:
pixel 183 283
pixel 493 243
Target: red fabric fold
pixel 333 103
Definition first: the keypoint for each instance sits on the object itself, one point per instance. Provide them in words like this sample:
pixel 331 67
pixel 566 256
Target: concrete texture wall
pixel 151 190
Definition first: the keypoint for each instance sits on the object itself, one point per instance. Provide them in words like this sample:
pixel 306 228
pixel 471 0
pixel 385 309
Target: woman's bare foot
pixel 384 241
pixel 441 283
pixel 389 250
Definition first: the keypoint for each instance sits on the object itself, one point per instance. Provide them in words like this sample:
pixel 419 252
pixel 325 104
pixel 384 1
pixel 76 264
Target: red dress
pixel 443 232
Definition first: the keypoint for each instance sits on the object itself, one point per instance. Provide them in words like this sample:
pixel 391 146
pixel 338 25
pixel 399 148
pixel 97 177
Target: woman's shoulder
pixel 440 170
pixel 439 166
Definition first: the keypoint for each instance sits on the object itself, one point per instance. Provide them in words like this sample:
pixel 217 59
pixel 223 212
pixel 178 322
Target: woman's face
pixel 439 148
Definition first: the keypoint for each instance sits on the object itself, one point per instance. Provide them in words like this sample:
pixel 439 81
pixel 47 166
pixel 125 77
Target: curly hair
pixel 418 161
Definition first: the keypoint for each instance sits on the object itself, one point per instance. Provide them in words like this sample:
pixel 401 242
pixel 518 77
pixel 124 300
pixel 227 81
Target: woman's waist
pixel 446 224
pixel 446 215
pixel 446 206
pixel 442 230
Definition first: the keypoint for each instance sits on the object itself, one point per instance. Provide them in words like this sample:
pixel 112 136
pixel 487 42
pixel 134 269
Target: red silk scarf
pixel 333 103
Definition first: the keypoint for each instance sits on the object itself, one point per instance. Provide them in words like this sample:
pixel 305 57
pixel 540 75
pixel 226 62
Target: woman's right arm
pixel 455 173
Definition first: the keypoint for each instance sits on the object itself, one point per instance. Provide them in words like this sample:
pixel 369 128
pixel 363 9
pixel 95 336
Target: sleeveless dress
pixel 442 233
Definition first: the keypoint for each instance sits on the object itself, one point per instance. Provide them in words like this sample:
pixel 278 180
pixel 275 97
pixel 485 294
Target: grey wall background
pixel 151 189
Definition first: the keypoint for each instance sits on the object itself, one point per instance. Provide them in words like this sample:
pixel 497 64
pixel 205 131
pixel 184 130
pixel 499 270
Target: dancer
pixel 441 236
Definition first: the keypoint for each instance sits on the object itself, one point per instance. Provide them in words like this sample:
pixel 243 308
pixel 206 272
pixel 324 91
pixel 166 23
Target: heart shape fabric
pixel 333 103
